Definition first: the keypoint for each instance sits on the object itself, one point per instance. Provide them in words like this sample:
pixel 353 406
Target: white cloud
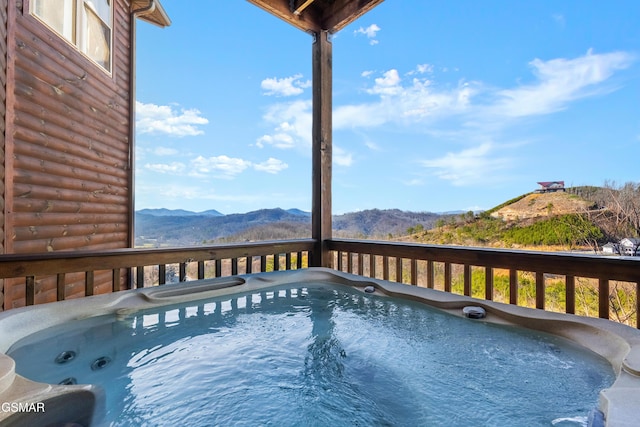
pixel 468 167
pixel 419 101
pixel 288 86
pixel 341 157
pixel 422 69
pixel 556 84
pixel 371 32
pixel 292 125
pixel 281 138
pixel 174 168
pixel 388 84
pixel 469 113
pixel 174 195
pixel 218 166
pixel 222 166
pixel 271 166
pixel 163 119
pixel 559 82
pixel 165 151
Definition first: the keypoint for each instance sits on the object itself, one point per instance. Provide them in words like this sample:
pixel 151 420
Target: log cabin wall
pixel 67 145
pixel 3 98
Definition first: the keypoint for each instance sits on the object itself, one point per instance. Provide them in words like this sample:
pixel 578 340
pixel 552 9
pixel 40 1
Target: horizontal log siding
pixel 3 111
pixel 69 146
pixel 45 277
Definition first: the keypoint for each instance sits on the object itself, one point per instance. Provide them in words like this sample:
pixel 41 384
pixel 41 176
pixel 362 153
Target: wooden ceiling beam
pixel 302 6
pixel 341 13
pixel 317 15
pixel 281 8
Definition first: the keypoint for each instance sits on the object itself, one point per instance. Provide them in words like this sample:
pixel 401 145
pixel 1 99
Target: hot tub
pixel 353 373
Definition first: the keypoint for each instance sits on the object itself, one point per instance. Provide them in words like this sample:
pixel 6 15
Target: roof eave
pixel 151 11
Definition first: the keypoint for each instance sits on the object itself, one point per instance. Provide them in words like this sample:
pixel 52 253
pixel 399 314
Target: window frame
pixel 80 28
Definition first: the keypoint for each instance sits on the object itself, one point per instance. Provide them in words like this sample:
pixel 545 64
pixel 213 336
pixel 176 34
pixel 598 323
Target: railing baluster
pixel 349 262
pixel 234 266
pixel 540 290
pixel 339 261
pixel 398 269
pixel 287 258
pixel 88 283
pixel 385 267
pixel 263 263
pixel 467 279
pixel 116 280
pixel 638 304
pixel 513 286
pixel 372 265
pixel 431 276
pixel 299 261
pixel 447 277
pixel 183 272
pixel 414 271
pixel 140 277
pixel 60 285
pixel 249 265
pixel 218 268
pixel 570 289
pixel 360 264
pixel 200 270
pixel 162 274
pixel 488 283
pixel 30 290
pixel 603 298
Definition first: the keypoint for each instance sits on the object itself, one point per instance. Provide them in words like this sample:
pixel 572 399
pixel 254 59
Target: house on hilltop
pixel 550 187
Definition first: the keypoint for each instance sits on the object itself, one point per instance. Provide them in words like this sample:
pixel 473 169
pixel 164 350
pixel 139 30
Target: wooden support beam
pixel 302 6
pixel 321 148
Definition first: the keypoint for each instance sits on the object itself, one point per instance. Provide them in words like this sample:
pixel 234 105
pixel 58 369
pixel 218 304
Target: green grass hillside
pixel 554 221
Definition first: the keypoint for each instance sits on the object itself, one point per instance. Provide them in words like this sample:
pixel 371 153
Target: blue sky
pixel 438 105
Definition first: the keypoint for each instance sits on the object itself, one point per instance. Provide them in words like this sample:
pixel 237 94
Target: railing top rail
pixel 580 265
pixel 20 265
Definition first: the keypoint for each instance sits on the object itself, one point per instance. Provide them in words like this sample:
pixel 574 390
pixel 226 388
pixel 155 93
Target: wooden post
pixel 321 148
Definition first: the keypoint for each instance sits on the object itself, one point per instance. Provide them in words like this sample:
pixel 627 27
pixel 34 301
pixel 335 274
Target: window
pixel 84 23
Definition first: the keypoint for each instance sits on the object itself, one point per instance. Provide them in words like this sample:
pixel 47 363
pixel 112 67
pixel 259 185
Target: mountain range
pixel 165 227
pixel 177 212
pixel 585 216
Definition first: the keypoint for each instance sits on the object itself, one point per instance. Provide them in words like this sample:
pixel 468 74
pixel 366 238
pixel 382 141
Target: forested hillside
pixel 581 218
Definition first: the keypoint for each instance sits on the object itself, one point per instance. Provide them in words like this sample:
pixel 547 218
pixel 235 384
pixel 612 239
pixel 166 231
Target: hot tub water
pixel 317 354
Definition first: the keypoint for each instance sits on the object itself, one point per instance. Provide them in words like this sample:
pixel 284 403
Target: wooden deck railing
pixel 127 267
pixel 610 284
pixel 606 287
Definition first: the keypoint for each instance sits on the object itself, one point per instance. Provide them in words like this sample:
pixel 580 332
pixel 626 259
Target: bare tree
pixel 624 203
